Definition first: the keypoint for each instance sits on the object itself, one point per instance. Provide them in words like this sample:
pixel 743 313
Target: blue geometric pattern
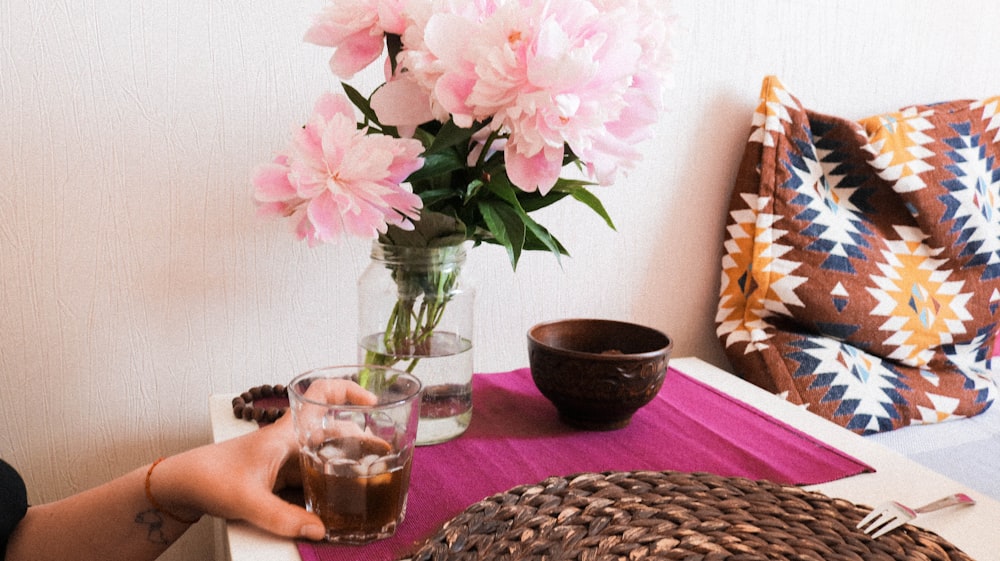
pixel 971 200
pixel 861 274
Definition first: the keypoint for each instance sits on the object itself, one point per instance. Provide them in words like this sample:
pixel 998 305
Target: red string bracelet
pixel 156 505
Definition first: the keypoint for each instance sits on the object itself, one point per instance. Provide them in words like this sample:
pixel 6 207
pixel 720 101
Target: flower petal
pixel 271 183
pixel 539 172
pixel 402 102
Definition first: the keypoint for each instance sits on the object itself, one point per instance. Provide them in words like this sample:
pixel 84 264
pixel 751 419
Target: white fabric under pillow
pixel 966 450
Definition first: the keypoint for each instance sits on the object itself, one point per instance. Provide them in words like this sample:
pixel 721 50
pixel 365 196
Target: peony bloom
pixel 547 75
pixel 335 179
pixel 356 29
pixel 407 98
pixel 496 89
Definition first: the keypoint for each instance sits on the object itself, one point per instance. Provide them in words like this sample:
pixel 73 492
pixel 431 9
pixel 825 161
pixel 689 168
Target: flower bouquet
pixel 485 104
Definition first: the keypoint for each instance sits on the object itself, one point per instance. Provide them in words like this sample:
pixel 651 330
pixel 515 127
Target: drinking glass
pixel 356 458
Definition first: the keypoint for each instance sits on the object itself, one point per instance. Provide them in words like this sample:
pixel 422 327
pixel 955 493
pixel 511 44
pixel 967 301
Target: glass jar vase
pixel 416 314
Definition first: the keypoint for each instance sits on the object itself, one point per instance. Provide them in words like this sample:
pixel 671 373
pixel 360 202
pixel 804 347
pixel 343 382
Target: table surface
pixel 973 529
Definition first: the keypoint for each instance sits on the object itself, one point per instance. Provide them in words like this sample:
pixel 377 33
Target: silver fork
pixel 891 515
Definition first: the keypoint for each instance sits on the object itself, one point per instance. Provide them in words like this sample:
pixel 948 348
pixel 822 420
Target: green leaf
pixel 501 186
pixel 506 226
pixel 568 185
pixel 534 201
pixel 536 234
pixel 591 200
pixel 432 196
pixel 425 137
pixel 473 188
pixel 531 243
pixel 450 135
pixel 544 237
pixel 571 187
pixel 434 229
pixel 546 243
pixel 437 164
pixel 360 101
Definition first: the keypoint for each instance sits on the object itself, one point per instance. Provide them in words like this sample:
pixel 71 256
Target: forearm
pixel 234 480
pixel 110 522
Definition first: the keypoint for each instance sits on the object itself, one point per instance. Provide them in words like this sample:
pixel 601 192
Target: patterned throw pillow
pixel 861 274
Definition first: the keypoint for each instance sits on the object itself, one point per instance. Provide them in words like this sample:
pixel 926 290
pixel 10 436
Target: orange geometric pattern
pixel 923 309
pixel 861 274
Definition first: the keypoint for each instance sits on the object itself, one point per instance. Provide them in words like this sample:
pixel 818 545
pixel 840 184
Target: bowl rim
pixel 666 349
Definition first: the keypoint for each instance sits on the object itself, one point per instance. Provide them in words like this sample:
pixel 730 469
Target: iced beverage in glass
pixel 356 458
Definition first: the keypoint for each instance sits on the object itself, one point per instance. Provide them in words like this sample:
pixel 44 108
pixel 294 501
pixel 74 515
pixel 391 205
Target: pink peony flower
pixel 401 102
pixel 519 87
pixel 546 74
pixel 356 29
pixel 407 98
pixel 335 179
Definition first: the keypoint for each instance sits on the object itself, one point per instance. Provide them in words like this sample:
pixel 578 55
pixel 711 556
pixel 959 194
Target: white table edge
pixel 972 529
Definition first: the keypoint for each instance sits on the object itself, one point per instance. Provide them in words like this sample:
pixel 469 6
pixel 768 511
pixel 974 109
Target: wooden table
pixel 974 529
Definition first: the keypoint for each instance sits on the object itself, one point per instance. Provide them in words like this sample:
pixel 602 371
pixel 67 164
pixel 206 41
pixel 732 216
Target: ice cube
pixel 359 470
pixel 331 452
pixel 378 467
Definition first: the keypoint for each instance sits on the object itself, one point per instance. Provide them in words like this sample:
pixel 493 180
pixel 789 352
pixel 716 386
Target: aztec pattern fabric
pixel 861 267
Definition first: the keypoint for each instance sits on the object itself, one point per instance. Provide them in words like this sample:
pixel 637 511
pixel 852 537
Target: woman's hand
pixel 236 479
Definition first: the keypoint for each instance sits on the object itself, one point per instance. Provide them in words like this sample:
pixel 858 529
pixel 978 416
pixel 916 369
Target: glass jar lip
pixel 315 373
pixel 432 254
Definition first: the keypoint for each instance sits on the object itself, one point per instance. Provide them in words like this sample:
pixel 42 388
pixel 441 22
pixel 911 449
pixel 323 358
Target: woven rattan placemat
pixel 671 515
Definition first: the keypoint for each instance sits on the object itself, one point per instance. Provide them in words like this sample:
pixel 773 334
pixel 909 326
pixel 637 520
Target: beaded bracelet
pixel 243 404
pixel 156 505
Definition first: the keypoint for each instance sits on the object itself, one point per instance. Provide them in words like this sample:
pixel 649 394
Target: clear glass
pixel 356 458
pixel 416 311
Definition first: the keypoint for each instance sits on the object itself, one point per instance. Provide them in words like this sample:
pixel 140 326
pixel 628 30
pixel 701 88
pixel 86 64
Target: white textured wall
pixel 136 279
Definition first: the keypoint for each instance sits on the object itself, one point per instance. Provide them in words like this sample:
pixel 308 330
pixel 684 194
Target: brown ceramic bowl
pixel 597 372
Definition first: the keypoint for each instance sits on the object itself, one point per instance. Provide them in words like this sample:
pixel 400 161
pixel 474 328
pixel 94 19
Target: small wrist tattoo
pixel 153 521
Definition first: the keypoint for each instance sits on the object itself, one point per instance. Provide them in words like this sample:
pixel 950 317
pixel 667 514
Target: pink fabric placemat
pixel 516 437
